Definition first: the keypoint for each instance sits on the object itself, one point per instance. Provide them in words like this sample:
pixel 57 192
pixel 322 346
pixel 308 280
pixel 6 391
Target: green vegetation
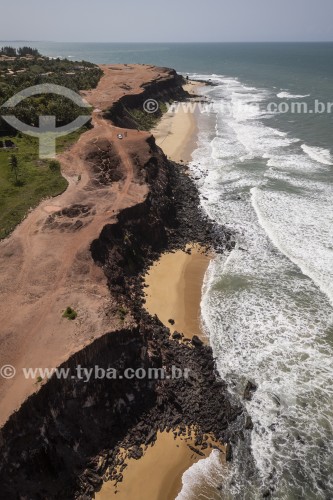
pixel 24 188
pixel 70 313
pixel 18 72
pixel 14 166
pixel 25 67
pixel 54 166
pixel 122 311
pixel 21 51
pixel 36 179
pixel 147 121
pixel 25 179
pixel 66 141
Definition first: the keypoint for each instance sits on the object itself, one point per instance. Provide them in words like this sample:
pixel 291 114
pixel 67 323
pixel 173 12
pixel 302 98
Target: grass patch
pixel 69 313
pixel 37 179
pixel 66 141
pixel 147 121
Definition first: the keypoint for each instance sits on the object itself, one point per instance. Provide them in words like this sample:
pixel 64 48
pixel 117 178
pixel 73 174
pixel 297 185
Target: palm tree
pixel 14 165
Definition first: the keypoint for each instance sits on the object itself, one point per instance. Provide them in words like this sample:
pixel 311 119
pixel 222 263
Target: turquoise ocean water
pixel 267 305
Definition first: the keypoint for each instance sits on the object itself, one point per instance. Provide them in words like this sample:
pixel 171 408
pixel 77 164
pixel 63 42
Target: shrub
pixel 70 313
pixel 54 166
pixel 122 313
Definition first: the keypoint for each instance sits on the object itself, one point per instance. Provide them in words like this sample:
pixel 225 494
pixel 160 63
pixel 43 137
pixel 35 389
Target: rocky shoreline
pixel 65 439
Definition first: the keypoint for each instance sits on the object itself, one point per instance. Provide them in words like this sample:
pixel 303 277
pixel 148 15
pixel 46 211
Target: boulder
pixel 176 336
pixel 228 453
pixel 249 390
pixel 196 341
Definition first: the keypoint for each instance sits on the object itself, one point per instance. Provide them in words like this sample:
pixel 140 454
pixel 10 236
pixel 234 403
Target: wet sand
pixel 158 474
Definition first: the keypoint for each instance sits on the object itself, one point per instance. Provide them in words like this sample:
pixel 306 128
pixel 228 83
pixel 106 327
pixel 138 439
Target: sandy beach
pixel 177 131
pixel 175 280
pixel 173 292
pixel 158 474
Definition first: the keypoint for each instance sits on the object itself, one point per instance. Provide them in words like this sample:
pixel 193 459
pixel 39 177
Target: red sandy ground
pixel 44 268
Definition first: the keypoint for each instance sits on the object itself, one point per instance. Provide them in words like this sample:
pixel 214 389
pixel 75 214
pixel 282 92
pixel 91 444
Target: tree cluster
pixel 20 52
pixel 20 74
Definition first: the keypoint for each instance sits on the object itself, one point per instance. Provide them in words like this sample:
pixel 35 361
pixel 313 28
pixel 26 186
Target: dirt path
pixel 45 265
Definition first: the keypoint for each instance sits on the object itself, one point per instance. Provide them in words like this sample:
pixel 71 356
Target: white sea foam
pixel 268 324
pixel 320 155
pixel 287 95
pixel 266 319
pixel 202 478
pixel 294 161
pixel 302 228
pixel 305 185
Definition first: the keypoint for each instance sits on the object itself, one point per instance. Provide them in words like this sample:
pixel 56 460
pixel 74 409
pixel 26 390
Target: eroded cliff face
pixel 169 218
pixel 65 438
pixel 163 89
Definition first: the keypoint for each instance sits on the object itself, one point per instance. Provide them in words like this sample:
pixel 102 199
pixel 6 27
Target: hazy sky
pixel 167 20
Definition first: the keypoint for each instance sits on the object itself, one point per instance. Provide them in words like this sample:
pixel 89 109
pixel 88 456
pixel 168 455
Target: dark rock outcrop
pixel 167 87
pixel 250 388
pixel 51 448
pixel 66 437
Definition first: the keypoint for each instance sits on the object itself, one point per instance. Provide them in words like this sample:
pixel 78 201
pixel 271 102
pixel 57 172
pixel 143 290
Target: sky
pixel 167 20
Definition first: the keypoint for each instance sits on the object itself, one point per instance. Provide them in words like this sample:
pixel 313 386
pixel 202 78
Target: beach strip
pixel 158 474
pixel 174 282
pixel 176 132
pixel 173 292
pixel 173 289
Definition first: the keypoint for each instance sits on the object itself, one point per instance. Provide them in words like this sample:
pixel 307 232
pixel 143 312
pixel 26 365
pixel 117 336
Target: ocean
pixel 267 306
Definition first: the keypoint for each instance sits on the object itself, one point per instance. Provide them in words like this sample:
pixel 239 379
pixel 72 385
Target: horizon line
pixel 169 42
